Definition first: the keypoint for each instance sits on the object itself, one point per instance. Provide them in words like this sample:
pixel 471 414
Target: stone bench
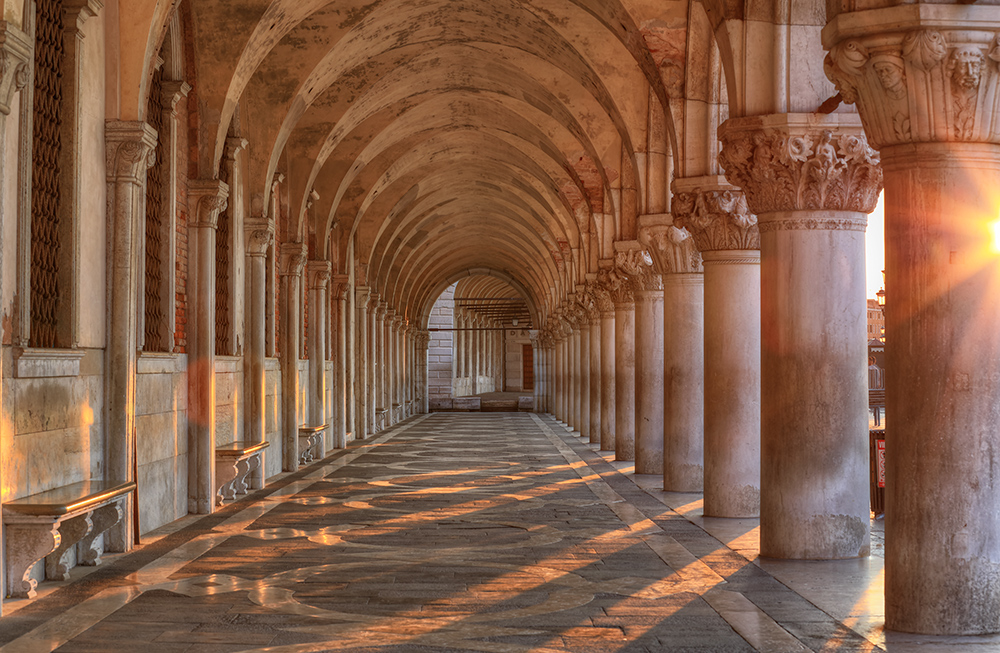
pixel 50 524
pixel 380 414
pixel 234 463
pixel 309 440
pixel 397 412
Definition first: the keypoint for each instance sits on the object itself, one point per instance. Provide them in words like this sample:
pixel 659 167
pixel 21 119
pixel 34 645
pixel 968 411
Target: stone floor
pixel 495 532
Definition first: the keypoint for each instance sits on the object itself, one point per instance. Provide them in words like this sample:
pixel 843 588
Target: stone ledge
pixel 46 363
pixel 160 363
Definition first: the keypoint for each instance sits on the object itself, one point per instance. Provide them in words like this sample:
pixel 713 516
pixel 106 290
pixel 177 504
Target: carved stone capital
pixel 715 213
pixel 635 267
pixel 172 92
pixel 602 292
pixel 918 75
pixel 801 162
pixel 373 302
pixel 339 285
pixel 258 236
pixel 361 274
pixel 234 145
pixel 208 197
pixel 129 150
pixel 422 338
pixel 15 63
pixel 671 248
pixel 319 274
pixel 291 259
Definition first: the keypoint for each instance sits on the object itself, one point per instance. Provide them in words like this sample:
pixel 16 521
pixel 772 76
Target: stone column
pixel 925 80
pixel 362 387
pixel 726 234
pixel 292 261
pixel 624 299
pixel 594 373
pixel 340 390
pixel 16 46
pixel 259 235
pixel 208 197
pixel 422 340
pixel 536 366
pixel 648 292
pixel 574 374
pixel 677 259
pixel 318 276
pixel 558 379
pixel 584 366
pixel 811 211
pixel 609 402
pixel 129 146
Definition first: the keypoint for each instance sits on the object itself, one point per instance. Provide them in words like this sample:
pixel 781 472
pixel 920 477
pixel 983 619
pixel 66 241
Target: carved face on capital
pixel 890 75
pixel 966 67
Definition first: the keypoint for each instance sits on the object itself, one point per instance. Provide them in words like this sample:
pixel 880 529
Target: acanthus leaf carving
pixel 672 249
pixel 717 218
pixel 797 166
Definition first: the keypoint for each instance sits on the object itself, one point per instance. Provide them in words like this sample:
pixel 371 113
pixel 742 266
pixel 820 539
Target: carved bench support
pixel 234 463
pixel 71 531
pixel 29 539
pixel 309 440
pixel 104 518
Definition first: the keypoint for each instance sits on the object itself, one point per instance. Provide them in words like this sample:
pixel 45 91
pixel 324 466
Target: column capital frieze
pixel 602 292
pixel 319 274
pixel 802 162
pixel 78 12
pixel 15 63
pixel 919 73
pixel 671 248
pixel 129 149
pixel 715 213
pixel 635 265
pixel 422 338
pixel 259 233
pixel 291 259
pixel 234 145
pixel 208 197
pixel 339 284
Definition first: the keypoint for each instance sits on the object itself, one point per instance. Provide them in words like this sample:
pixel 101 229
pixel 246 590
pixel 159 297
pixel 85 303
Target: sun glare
pixel 995 233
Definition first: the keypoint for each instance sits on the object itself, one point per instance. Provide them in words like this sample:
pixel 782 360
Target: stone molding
pixel 172 92
pixel 919 73
pixel 15 63
pixel 671 248
pixel 258 236
pixel 291 259
pixel 602 292
pixel 319 273
pixel 210 196
pixel 422 338
pixel 802 162
pixel 79 11
pixel 635 266
pixel 715 214
pixel 373 301
pixel 339 285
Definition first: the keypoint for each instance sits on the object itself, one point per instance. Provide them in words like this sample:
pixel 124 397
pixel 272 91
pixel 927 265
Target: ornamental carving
pixel 422 338
pixel 638 271
pixel 291 259
pixel 319 274
pixel 209 197
pixel 259 233
pixel 795 168
pixel 589 304
pixel 717 218
pixel 601 291
pixel 15 71
pixel 920 85
pixel 672 249
pixel 129 149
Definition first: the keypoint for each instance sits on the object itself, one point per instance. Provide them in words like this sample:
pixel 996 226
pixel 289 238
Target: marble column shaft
pixel 361 386
pixel 595 377
pixel 609 401
pixel 340 389
pixel 726 234
pixel 814 449
pixel 259 235
pixel 649 379
pixel 209 197
pixel 924 79
pixel 293 259
pixel 128 149
pixel 624 362
pixel 319 278
pixel 584 366
pixel 679 262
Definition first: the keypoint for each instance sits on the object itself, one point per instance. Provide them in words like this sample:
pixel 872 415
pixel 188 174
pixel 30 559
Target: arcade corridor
pixel 497 532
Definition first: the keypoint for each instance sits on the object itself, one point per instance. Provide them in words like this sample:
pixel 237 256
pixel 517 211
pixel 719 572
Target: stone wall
pixel 440 366
pixel 272 417
pixel 161 438
pixel 229 402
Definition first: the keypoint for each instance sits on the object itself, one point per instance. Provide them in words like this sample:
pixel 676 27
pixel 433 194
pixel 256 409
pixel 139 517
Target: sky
pixel 875 250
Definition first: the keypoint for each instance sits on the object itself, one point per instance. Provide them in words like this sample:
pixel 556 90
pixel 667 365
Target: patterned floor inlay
pixel 490 532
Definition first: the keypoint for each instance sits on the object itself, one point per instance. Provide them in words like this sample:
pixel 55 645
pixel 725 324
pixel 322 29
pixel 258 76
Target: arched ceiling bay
pixel 432 137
